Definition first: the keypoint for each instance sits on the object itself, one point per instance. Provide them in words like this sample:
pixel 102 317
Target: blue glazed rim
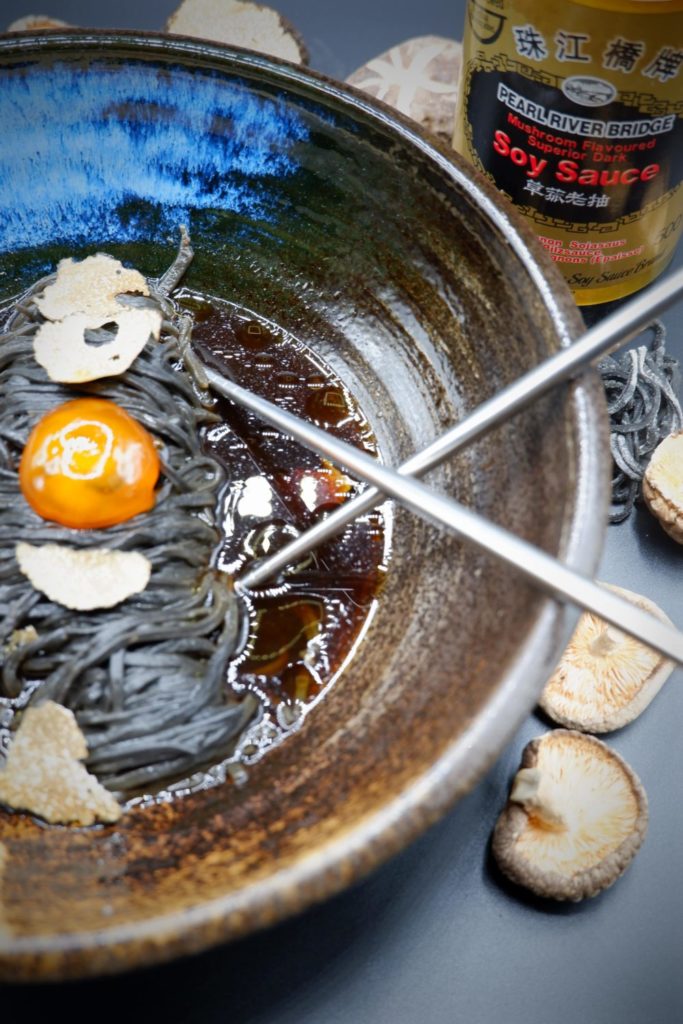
pixel 331 869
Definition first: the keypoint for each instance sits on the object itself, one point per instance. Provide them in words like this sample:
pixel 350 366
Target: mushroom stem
pixel 604 643
pixel 526 790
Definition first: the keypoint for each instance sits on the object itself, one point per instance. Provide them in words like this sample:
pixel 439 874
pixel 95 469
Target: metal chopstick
pixel 550 574
pixel 614 330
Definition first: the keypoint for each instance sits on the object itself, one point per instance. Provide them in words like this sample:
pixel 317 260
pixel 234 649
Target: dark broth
pixel 304 625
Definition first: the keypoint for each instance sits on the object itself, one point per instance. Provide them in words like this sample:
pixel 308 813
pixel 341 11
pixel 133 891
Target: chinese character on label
pixel 575 198
pixel 553 194
pixel 574 110
pixel 595 199
pixel 622 54
pixel 569 46
pixel 666 64
pixel 529 42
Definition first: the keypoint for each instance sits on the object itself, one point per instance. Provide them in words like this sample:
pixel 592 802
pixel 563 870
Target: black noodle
pixel 147 679
pixel 640 387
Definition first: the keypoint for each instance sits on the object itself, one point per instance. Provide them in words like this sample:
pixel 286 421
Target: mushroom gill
pixel 605 678
pixel 575 818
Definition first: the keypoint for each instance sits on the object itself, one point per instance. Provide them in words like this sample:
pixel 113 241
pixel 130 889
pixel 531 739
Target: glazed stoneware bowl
pixel 416 282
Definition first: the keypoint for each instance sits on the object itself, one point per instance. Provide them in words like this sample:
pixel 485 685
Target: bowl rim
pixel 346 859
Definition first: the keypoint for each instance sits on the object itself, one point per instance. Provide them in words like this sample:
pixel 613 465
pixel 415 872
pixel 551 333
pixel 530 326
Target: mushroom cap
pixel 576 817
pixel 663 485
pixel 419 77
pixel 237 23
pixel 605 678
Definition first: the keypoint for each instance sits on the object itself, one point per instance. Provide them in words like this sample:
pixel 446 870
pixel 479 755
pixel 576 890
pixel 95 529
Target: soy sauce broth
pixel 305 625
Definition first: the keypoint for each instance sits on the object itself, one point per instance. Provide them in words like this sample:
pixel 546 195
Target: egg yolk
pixel 88 464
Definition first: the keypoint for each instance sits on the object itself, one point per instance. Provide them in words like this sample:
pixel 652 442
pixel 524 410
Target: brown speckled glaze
pixel 436 297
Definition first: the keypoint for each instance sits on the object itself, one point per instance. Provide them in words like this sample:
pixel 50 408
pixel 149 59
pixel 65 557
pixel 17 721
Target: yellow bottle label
pixel 576 113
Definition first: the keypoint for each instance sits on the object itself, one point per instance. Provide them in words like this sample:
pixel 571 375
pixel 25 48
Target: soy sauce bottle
pixel 575 109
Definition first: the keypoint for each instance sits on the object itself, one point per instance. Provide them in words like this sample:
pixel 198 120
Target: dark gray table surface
pixel 436 936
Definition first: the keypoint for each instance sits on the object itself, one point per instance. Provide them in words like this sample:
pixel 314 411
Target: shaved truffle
pixel 43 773
pixel 236 23
pixel 83 579
pixel 575 819
pixel 89 286
pixel 64 352
pixel 89 333
pixel 19 638
pixel 419 77
pixel 33 22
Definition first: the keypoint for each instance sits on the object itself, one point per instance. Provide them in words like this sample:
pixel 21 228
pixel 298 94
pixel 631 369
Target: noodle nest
pixel 146 680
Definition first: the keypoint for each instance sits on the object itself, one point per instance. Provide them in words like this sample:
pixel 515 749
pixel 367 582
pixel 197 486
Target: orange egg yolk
pixel 88 464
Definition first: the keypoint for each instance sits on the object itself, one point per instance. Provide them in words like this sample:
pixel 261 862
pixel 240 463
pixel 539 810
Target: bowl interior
pixel 407 275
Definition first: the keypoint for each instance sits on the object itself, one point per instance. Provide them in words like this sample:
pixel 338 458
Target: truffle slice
pixel 605 678
pixel 237 23
pixel 575 818
pixel 418 77
pixel 69 356
pixel 89 333
pixel 83 579
pixel 90 286
pixel 43 773
pixel 19 638
pixel 32 22
pixel 663 485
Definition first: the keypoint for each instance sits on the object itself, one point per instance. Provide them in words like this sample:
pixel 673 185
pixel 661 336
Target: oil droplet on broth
pixel 329 405
pixel 302 634
pixel 286 379
pixel 254 335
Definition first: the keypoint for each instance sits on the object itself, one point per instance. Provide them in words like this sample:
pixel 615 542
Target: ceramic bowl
pixel 416 281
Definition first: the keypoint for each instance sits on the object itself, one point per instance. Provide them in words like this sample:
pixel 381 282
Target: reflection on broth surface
pixel 305 625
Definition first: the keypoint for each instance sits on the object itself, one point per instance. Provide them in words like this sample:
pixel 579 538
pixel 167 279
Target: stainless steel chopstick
pixel 614 330
pixel 550 574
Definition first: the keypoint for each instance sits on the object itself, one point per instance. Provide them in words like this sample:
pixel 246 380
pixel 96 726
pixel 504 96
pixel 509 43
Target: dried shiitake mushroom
pixel 418 77
pixel 663 485
pixel 605 678
pixel 575 818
